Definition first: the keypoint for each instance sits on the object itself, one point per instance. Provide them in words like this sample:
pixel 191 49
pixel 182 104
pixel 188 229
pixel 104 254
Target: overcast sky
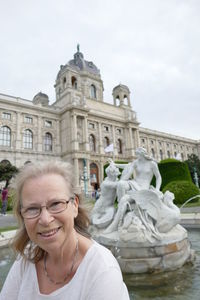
pixel 152 46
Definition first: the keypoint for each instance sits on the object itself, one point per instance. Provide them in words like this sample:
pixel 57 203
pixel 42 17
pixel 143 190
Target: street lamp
pixel 196 178
pixel 85 176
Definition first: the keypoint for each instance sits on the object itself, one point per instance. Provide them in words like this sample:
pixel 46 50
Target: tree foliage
pixel 183 190
pixel 7 171
pixel 193 163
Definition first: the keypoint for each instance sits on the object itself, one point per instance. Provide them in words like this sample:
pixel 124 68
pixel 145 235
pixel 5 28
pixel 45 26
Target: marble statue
pixel 142 170
pixel 103 211
pixel 143 232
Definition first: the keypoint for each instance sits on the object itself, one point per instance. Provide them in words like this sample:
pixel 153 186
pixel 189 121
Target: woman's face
pixel 49 231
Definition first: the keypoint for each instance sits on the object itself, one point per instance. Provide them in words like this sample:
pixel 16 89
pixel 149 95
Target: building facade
pixel 79 125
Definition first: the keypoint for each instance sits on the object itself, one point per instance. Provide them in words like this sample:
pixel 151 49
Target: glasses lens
pixel 31 212
pixel 57 206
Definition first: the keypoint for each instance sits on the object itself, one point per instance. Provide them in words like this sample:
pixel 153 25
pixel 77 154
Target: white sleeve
pixel 12 284
pixel 109 286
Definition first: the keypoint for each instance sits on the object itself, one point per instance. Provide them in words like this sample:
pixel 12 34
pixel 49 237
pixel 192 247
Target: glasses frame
pixel 47 208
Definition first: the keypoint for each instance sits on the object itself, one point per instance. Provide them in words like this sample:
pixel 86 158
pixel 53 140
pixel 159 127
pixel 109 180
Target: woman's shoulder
pixel 101 256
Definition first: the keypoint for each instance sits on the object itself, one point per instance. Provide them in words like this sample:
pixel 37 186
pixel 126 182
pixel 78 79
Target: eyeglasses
pixel 53 207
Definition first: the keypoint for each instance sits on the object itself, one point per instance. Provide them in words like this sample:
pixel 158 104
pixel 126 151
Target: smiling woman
pixel 54 247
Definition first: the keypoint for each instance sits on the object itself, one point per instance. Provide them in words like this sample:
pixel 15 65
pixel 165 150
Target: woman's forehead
pixel 45 182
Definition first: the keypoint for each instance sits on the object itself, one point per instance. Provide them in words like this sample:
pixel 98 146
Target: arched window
pixel 27 162
pixel 125 100
pixel 168 153
pixel 64 82
pixel 93 91
pixel 119 146
pixel 161 154
pixel 106 142
pixel 5 162
pixel 5 136
pixel 92 143
pixel 117 100
pixel 74 82
pixel 28 139
pixel 153 153
pixel 182 156
pixel 48 142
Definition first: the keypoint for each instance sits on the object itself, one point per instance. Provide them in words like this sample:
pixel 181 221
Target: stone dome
pixel 79 64
pixel 41 98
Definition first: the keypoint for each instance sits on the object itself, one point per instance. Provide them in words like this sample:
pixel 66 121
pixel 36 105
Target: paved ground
pixel 190 209
pixel 8 220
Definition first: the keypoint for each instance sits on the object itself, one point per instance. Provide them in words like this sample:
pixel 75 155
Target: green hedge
pixel 183 190
pixel 172 170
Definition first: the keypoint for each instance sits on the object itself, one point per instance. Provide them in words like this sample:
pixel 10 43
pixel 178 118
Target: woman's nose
pixel 45 217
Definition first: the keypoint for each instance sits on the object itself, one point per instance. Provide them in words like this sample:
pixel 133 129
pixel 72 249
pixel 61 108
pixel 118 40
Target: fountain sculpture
pixel 143 232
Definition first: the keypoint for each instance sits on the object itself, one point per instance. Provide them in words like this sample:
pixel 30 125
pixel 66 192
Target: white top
pixel 97 278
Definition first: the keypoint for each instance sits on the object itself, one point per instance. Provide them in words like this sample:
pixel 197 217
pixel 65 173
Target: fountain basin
pixel 139 256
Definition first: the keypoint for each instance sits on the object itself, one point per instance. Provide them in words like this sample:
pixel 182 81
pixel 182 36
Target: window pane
pixel 93 91
pixel 6 116
pixel 28 139
pixel 48 142
pixel 28 120
pixel 92 142
pixel 5 136
pixel 48 123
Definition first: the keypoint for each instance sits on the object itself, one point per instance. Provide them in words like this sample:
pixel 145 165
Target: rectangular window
pixel 91 125
pixel 48 123
pixel 6 116
pixel 28 119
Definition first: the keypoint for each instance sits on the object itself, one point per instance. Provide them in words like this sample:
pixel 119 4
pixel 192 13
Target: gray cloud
pixel 152 46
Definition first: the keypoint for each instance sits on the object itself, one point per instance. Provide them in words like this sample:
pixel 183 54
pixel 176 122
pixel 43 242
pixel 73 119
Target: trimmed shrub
pixel 173 170
pixel 183 190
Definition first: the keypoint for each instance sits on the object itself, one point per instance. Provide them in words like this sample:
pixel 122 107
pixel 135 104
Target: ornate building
pixel 79 125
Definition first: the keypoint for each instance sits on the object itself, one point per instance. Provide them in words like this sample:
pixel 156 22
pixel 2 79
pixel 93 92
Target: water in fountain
pixel 182 284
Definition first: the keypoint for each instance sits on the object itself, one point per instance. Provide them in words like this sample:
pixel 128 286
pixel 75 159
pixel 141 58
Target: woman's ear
pixel 76 204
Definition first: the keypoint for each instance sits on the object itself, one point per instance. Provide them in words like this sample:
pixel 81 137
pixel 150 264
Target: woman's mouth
pixel 49 233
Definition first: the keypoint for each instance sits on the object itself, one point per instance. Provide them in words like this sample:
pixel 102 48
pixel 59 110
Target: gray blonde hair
pixel 21 242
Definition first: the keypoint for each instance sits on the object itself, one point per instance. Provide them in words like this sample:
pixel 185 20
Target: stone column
pixel 86 142
pixel 148 146
pixel 101 172
pixel 101 149
pixel 165 150
pixel 19 135
pixel 74 132
pixel 114 140
pixel 57 138
pixel 39 133
pixel 76 167
pixel 157 150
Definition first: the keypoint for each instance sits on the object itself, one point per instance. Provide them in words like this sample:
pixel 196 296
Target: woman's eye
pixel 32 209
pixel 55 204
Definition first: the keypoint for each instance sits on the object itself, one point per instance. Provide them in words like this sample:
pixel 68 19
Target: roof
pixel 79 64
